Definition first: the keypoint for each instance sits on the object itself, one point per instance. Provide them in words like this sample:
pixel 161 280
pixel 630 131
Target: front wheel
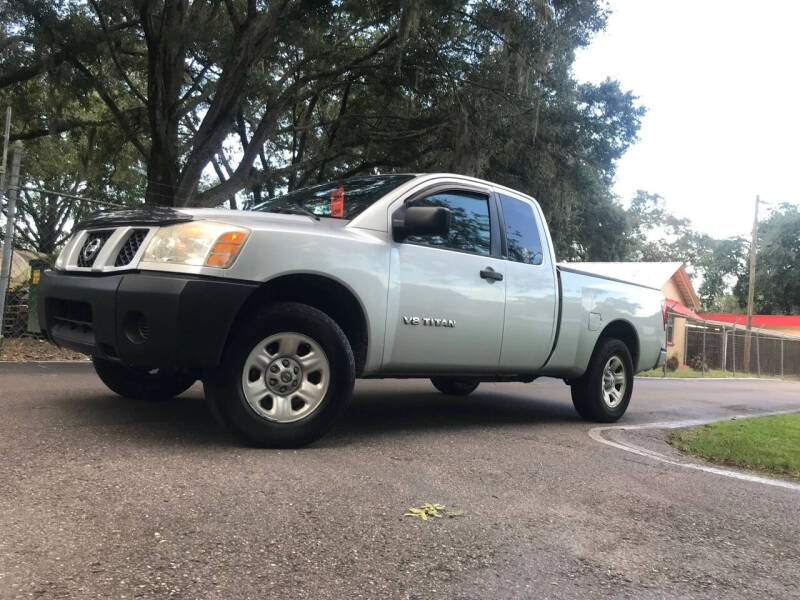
pixel 455 386
pixel 603 393
pixel 140 384
pixel 285 377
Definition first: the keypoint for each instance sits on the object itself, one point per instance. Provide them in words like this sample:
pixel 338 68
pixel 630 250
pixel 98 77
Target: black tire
pixel 455 386
pixel 224 387
pixel 588 394
pixel 139 384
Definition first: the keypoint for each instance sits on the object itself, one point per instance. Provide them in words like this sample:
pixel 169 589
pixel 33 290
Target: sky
pixel 721 82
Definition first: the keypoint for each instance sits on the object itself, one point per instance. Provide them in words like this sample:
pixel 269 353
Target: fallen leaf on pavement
pixel 432 510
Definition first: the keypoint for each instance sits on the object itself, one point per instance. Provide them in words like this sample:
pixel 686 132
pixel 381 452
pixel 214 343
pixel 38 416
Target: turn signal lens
pixel 235 237
pixel 226 248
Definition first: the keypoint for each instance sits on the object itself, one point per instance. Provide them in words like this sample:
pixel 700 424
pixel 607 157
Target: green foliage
pixel 655 234
pixel 727 303
pixel 777 286
pixel 697 363
pixel 721 262
pixel 70 143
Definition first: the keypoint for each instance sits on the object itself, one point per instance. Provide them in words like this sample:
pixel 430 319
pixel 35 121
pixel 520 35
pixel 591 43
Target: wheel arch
pixel 322 292
pixel 625 332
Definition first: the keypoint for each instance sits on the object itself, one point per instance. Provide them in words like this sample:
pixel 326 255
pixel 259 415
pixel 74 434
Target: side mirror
pixel 421 220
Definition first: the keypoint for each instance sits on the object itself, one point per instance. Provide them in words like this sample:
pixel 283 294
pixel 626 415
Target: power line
pixel 73 196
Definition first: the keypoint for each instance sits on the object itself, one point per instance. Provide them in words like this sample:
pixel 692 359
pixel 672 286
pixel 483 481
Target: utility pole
pixel 8 243
pixel 5 153
pixel 751 288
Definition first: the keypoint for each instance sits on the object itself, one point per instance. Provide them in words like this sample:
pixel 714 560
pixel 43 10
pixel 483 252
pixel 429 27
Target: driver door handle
pixel 490 274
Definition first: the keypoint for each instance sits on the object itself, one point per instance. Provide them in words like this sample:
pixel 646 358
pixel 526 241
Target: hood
pixel 159 215
pixel 254 218
pixel 147 215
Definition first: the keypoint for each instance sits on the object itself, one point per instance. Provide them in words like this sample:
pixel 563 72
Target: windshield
pixel 344 199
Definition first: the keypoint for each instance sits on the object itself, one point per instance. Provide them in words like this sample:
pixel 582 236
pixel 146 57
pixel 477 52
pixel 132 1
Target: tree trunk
pixel 161 179
pixel 163 27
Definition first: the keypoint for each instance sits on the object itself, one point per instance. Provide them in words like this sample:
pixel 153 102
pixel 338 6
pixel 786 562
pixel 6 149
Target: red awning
pixel 682 310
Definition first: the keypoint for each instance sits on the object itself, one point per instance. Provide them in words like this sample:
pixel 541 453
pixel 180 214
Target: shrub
pixel 672 363
pixel 697 363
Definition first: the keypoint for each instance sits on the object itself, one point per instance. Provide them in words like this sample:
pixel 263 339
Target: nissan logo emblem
pixel 91 249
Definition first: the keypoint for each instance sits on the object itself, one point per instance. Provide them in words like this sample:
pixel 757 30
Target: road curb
pixel 596 433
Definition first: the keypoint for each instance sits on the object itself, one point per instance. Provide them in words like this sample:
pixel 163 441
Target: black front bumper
pixel 142 319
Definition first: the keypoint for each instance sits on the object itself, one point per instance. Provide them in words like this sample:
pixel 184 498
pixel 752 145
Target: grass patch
pixel 692 374
pixel 768 445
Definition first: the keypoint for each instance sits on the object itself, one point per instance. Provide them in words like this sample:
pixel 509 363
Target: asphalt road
pixel 106 498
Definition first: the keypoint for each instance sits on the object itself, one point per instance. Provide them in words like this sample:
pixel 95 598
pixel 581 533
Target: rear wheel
pixel 455 386
pixel 141 384
pixel 285 377
pixel 603 393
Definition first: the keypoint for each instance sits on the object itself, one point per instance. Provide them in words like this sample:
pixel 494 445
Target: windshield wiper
pixel 294 211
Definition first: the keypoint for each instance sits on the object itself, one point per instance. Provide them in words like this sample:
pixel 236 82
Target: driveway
pixel 103 497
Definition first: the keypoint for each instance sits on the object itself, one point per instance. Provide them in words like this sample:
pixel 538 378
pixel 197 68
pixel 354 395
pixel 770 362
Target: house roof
pixel 758 320
pixel 653 274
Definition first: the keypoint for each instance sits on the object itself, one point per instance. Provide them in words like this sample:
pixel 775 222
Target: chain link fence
pixel 712 345
pixel 15 317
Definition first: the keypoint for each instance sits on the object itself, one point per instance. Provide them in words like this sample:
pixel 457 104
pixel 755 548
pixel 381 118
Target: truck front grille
pixel 105 249
pixel 130 247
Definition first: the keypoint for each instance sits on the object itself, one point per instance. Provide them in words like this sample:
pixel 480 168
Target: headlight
pixel 198 243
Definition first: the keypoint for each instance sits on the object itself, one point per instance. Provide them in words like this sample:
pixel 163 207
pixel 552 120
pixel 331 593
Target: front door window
pixel 469 222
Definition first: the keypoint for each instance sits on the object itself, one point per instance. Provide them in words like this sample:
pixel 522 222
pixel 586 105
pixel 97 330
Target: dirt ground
pixel 28 349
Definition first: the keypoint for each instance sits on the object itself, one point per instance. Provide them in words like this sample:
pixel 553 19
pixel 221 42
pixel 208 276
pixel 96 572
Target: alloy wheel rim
pixel 614 382
pixel 285 377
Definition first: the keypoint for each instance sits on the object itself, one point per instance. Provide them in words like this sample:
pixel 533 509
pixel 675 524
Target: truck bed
pixel 589 303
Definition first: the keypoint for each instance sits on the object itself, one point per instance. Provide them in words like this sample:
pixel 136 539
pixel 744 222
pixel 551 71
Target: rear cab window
pixel 523 242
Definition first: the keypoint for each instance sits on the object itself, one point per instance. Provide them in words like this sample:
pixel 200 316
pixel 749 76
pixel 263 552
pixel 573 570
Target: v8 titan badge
pixel 429 321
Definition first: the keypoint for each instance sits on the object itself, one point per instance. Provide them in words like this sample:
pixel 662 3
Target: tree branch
pixel 13 39
pixel 113 54
pixel 61 127
pixel 254 37
pixel 30 71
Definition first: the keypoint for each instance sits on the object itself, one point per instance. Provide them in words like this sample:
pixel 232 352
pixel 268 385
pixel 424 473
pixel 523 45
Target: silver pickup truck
pixel 278 309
